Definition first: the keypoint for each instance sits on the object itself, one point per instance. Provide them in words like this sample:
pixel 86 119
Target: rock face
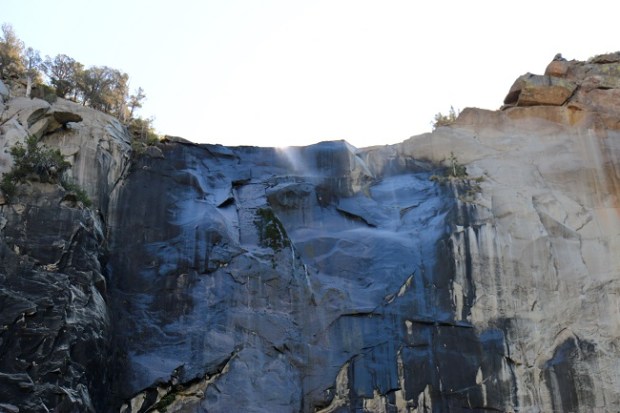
pixel 324 278
pixel 55 322
pixel 54 342
pixel 539 244
pixel 289 280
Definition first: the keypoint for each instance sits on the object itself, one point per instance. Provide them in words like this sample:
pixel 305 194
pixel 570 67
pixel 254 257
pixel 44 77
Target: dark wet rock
pixel 290 282
pixel 153 152
pixel 54 339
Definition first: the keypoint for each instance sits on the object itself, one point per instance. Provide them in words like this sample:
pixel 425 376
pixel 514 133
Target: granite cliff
pixel 323 278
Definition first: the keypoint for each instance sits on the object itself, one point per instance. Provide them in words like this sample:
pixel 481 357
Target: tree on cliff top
pixel 105 89
pixel 11 49
pixel 99 87
pixel 63 72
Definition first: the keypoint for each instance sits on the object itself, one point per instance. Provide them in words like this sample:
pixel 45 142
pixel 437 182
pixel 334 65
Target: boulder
pixel 64 117
pixel 533 90
pixel 50 122
pixel 60 119
pixel 178 139
pixel 557 68
pixel 40 127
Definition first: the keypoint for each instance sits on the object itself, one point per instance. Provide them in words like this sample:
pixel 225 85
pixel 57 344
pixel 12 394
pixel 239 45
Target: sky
pixel 295 72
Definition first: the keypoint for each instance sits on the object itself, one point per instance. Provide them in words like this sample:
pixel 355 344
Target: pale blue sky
pixel 292 72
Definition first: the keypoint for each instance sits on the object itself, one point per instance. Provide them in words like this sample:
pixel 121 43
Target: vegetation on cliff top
pixel 99 87
pixel 445 120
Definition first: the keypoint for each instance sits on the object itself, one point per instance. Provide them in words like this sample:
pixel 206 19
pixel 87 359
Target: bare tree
pixel 135 101
pixel 32 59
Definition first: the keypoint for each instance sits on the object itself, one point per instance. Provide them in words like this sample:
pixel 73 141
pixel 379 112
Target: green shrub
pixel 165 402
pixel 33 162
pixel 7 185
pixel 80 193
pixel 456 169
pixel 38 162
pixel 271 231
pixel 456 173
pixel 32 159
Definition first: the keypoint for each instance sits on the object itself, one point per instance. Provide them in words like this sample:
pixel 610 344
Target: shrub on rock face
pixel 456 169
pixel 7 185
pixel 143 134
pixel 33 162
pixel 456 174
pixel 270 230
pixel 79 193
pixel 47 164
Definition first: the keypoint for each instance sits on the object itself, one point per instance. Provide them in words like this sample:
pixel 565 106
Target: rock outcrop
pixel 586 90
pixel 533 90
pixel 324 278
pixel 55 322
pixel 54 319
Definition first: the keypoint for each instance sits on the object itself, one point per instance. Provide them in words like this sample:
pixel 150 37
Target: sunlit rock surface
pixel 325 278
